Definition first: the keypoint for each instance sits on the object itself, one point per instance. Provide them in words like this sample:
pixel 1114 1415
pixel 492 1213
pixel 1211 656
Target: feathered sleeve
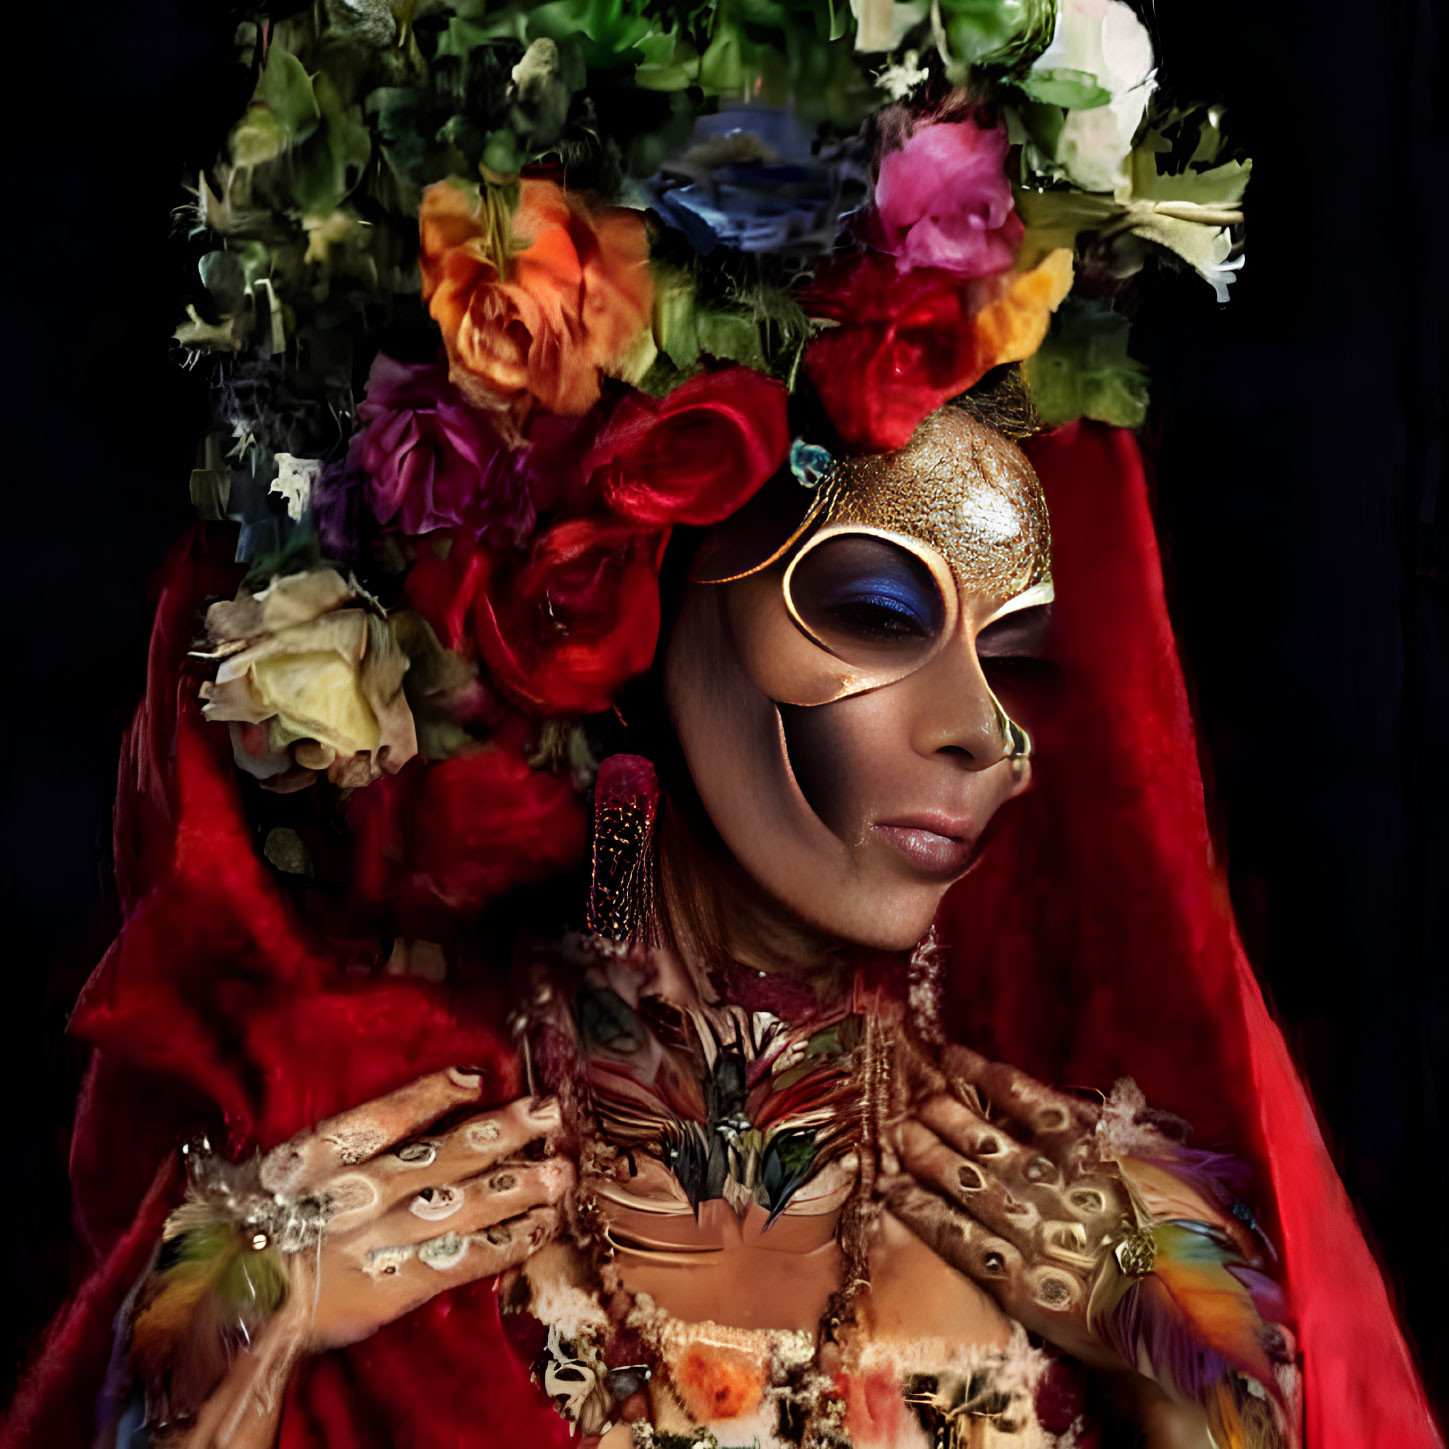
pixel 1187 1297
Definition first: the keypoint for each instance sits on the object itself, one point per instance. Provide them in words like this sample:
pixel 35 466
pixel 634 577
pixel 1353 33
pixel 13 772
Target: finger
pixel 358 1135
pixel 493 1137
pixel 404 1278
pixel 463 1151
pixel 1044 1297
pixel 975 1136
pixel 970 1132
pixel 972 1186
pixel 1021 1192
pixel 502 1192
pixel 1031 1107
pixel 921 1071
pixel 963 1241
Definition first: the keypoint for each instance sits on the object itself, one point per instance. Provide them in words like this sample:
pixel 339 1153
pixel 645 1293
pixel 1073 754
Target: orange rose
pixel 533 315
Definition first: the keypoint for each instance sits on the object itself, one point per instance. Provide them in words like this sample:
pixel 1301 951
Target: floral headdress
pixel 498 296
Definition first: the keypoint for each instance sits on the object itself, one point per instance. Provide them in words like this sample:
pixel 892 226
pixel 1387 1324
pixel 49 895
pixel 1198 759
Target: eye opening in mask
pixel 870 597
pixel 1022 633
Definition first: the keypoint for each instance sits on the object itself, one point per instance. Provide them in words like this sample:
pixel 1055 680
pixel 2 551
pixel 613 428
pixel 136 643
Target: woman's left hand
pixel 1002 1177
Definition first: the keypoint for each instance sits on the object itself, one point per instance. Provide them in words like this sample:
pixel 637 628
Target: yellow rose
pixel 310 679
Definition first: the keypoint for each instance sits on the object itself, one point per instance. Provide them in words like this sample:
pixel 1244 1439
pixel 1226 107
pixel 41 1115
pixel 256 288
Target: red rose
pixel 908 342
pixel 564 630
pixel 696 455
pixel 447 836
pixel 441 586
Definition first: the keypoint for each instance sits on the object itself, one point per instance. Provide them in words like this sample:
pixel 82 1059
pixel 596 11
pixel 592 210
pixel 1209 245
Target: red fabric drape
pixel 1094 940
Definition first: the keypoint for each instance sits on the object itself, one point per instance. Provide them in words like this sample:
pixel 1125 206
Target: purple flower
pixel 943 201
pixel 430 461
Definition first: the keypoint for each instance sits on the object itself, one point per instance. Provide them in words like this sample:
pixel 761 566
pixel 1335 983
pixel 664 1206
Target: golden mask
pixel 897 553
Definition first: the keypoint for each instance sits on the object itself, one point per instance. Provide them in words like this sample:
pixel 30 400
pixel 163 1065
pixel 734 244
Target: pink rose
pixel 943 200
pixel 431 461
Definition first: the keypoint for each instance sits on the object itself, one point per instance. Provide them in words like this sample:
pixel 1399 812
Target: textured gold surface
pixel 1137 1255
pixel 959 487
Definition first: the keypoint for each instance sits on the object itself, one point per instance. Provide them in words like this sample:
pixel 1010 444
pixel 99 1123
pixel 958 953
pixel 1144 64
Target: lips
pixel 934 845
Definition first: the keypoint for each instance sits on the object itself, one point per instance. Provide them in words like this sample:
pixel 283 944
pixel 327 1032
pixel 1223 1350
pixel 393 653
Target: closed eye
pixel 878 616
pixel 1022 635
pixel 857 592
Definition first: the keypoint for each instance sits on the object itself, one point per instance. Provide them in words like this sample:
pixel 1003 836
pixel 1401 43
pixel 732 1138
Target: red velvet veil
pixel 1094 940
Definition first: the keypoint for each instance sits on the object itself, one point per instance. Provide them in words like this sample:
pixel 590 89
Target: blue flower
pixel 754 178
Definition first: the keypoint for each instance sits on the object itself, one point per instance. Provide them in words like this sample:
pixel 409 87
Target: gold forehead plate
pixel 958 487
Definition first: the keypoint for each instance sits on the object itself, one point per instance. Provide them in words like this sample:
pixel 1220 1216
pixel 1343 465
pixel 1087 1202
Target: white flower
pixel 294 480
pixel 904 77
pixel 1105 40
pixel 881 25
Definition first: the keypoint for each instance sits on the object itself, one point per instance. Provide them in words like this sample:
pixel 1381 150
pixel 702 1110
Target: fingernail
pixel 470 1077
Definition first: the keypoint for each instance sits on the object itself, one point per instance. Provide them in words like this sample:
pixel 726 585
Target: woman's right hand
pixel 409 1214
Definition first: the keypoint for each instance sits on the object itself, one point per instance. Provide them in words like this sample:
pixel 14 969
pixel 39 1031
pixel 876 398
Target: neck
pixel 713 912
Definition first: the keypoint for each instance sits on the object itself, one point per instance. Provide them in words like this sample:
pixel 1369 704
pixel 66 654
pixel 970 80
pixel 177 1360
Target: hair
pixel 691 862
pixel 697 880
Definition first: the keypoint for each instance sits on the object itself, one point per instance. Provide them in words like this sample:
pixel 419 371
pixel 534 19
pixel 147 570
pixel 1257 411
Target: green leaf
pixel 286 90
pixel 1083 369
pixel 1054 219
pixel 501 154
pixel 283 112
pixel 730 337
pixel 1218 186
pixel 399 114
pixel 223 276
pixel 1001 34
pixel 332 162
pixel 463 37
pixel 1073 89
pixel 257 138
pixel 1042 122
pixel 668 62
pixel 689 328
pixel 256 260
pixel 674 325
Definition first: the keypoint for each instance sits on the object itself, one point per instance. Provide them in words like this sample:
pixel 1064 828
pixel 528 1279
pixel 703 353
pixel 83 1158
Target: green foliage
pixel 355 110
pixel 1067 89
pixel 1006 34
pixel 1083 369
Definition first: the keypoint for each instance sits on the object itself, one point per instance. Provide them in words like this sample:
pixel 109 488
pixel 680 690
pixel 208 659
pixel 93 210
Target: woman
pixel 835 723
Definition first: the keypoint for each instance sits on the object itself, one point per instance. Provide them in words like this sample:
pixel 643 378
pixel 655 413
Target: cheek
pixel 842 755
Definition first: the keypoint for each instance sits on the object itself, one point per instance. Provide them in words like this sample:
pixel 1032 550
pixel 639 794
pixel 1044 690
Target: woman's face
pixel 834 709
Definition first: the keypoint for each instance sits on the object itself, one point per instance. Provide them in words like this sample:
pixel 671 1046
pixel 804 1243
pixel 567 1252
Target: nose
pixel 955 712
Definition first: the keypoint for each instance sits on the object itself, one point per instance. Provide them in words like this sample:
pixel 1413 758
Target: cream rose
pixel 310 679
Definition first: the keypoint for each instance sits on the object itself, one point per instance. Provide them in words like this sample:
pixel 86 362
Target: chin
pixel 890 919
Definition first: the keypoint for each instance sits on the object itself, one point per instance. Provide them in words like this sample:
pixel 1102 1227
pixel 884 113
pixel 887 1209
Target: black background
pixel 1299 449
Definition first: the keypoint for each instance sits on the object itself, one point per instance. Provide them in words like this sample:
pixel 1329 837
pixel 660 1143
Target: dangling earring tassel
pixel 621 891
